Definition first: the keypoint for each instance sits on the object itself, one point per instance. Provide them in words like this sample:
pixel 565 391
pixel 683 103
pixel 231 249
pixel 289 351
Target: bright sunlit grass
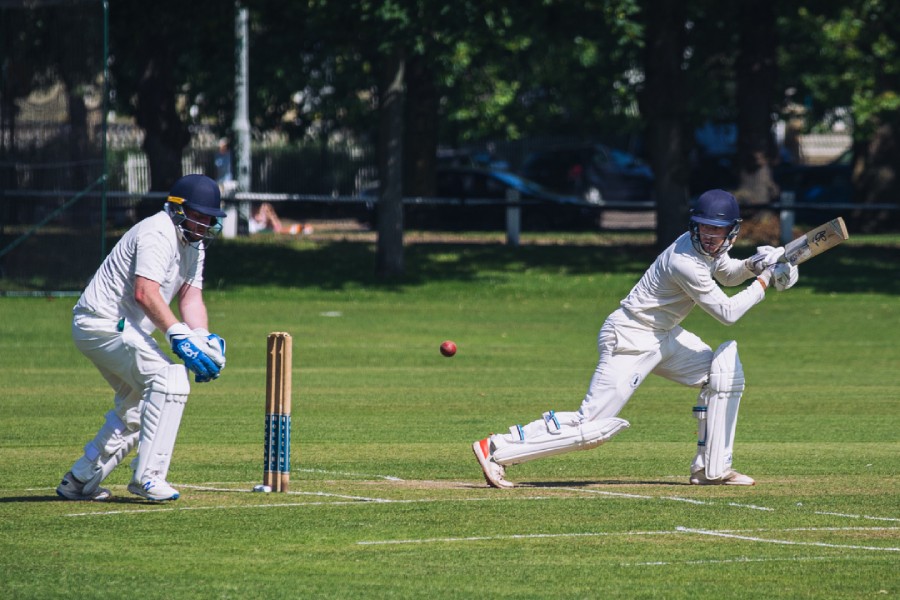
pixel 386 498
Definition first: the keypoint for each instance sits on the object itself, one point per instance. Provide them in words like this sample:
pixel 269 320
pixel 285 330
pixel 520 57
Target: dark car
pixel 831 183
pixel 597 173
pixel 474 198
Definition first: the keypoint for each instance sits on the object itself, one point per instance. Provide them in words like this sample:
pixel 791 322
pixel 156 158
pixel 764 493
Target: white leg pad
pixel 160 419
pixel 103 453
pixel 557 438
pixel 723 398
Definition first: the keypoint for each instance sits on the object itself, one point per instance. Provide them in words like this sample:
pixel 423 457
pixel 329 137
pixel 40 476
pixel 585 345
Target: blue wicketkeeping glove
pixel 213 346
pixel 188 347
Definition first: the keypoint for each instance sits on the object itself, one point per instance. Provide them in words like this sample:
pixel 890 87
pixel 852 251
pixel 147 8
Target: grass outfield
pixel 387 500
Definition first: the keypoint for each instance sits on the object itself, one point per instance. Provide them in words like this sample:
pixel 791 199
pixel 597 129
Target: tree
pixel 488 70
pixel 755 73
pixel 663 105
pixel 389 251
pixel 855 47
pixel 161 61
pixel 38 53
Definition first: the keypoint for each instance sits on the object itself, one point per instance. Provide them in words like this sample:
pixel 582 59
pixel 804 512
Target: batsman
pixel 129 297
pixel 644 336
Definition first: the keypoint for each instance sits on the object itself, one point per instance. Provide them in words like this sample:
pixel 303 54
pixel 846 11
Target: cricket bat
pixel 815 242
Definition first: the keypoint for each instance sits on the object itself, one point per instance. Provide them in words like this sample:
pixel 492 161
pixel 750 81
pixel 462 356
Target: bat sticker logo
pixel 820 237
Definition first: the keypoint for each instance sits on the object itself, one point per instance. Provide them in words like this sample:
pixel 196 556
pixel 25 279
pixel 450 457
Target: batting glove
pixel 185 346
pixel 785 276
pixel 765 278
pixel 765 256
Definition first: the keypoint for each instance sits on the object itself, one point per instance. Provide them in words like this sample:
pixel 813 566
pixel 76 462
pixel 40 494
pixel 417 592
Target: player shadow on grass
pixel 55 498
pixel 11 499
pixel 601 482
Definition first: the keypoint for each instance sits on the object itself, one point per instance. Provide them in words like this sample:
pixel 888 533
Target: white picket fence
pixel 137 171
pixel 817 149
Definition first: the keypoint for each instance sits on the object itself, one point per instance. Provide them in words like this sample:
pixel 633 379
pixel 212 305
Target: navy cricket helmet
pixel 719 209
pixel 198 192
pixel 201 194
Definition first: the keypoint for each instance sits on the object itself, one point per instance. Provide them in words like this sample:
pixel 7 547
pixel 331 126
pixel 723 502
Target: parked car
pixel 831 183
pixel 478 190
pixel 473 198
pixel 594 172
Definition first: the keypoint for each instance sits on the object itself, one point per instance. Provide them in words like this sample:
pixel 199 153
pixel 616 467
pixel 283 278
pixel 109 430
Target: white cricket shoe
pixel 731 478
pixel 494 473
pixel 154 488
pixel 72 489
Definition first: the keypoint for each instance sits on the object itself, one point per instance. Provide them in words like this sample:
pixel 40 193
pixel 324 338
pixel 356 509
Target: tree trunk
pixel 420 136
pixel 877 181
pixel 165 136
pixel 389 251
pixel 756 74
pixel 662 103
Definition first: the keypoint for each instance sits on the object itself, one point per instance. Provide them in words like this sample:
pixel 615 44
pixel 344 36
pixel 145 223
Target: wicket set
pixel 277 454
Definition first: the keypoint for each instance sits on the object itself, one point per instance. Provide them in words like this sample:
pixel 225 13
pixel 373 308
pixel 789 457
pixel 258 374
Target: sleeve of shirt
pixel 697 282
pixel 154 256
pixel 731 271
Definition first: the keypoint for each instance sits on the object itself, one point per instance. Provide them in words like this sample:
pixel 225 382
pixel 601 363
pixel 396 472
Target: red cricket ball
pixel 448 348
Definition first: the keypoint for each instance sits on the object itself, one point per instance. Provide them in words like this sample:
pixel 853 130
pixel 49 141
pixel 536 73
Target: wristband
pixel 179 329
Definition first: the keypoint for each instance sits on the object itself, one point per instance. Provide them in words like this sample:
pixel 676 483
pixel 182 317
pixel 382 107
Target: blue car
pixel 597 173
pixel 474 198
pixel 831 183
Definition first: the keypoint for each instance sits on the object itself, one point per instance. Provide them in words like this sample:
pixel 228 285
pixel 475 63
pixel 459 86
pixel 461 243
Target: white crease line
pixel 196 508
pixel 783 542
pixel 687 500
pixel 672 498
pixel 356 501
pixel 324 494
pixel 492 538
pixel 834 514
pixel 342 474
pixel 359 502
pixel 750 506
pixel 736 560
pixel 366 499
pixel 732 533
pixel 604 493
pixel 600 534
pixel 832 529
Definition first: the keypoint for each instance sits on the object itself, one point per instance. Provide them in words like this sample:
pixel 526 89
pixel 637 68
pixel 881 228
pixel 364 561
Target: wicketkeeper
pixel 126 301
pixel 644 336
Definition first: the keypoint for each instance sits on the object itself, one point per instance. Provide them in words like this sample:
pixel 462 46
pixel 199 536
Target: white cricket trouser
pixel 128 360
pixel 629 351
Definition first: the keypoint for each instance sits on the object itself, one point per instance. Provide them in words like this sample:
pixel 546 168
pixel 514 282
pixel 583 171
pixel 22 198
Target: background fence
pixel 52 141
pixel 70 182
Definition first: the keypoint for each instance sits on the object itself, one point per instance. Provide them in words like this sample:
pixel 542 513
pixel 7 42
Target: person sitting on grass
pixel 264 219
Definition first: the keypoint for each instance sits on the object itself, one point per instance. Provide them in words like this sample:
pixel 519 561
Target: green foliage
pixel 386 499
pixel 854 46
pixel 503 72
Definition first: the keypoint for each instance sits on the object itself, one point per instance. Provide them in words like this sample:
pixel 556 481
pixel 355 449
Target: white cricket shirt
pixel 153 249
pixel 681 278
